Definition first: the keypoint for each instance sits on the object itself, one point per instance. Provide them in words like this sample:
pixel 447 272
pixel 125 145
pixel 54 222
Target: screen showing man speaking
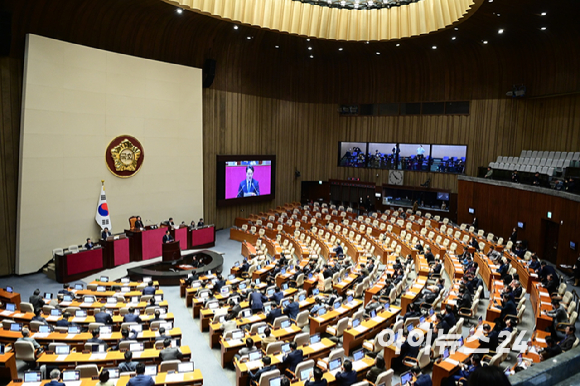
pixel 248 178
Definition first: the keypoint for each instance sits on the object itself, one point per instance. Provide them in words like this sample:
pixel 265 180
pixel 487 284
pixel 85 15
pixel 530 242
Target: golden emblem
pixel 125 156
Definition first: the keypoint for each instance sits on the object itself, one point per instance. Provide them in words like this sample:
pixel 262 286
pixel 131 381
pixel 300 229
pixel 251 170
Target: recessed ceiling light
pixel 277 46
pixel 179 10
pixel 398 44
pixel 340 49
pixel 543 14
pixel 309 48
pixel 491 1
pixel 453 38
pixel 498 14
pixel 236 27
pixel 485 42
pixel 307 40
pixel 378 53
pixel 456 28
pixel 500 31
pixel 434 47
pixel 543 28
pixel 249 37
pixel 311 56
pixel 368 42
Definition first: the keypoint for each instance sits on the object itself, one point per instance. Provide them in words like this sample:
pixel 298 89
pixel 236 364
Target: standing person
pixel 257 300
pixel 249 186
pixel 514 235
pixel 167 238
pixel 420 156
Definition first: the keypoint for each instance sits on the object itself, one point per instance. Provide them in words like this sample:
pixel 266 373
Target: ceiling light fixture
pixel 500 31
pixel 236 27
pixel 434 47
pixel 340 49
pixel 378 53
pixel 309 48
pixel 453 38
pixel 249 38
pixel 311 56
pixel 543 28
pixel 398 44
pixel 359 4
pixel 179 10
pixel 485 42
pixel 543 14
pixel 277 46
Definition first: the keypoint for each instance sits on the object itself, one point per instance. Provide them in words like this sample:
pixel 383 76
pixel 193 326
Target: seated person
pixel 435 269
pixel 347 376
pixel 230 323
pixel 376 370
pixel 200 223
pixel 168 353
pixel 266 366
pixel 466 370
pixel 317 306
pixel 274 313
pixel 244 351
pixel 268 338
pixel 104 377
pixel 162 336
pixel 105 233
pixel 374 304
pixel 293 358
pixel 141 379
pixel 55 378
pixel 26 338
pixel 420 379
pixel 89 244
pixel 490 337
pixel 64 321
pixel 38 316
pixel 103 317
pixel 65 290
pixel 551 350
pixel 149 290
pixel 96 338
pixel 318 379
pixel 132 317
pixel 128 365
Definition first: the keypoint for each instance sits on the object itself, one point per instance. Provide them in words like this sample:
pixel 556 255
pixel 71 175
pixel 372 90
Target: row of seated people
pixel 503 269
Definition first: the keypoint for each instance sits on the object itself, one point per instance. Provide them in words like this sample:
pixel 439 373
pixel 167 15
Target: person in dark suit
pixel 105 233
pixel 141 379
pixel 170 222
pixel 95 339
pixel 274 313
pixel 293 358
pixel 318 380
pixel 552 284
pixel 490 339
pixel 551 351
pixel 475 223
pixel 65 290
pixel 429 255
pixel 245 266
pixel 139 223
pixel 162 336
pixel 64 321
pixel 292 309
pixel 376 370
pixel 89 244
pixel 128 365
pixel 149 290
pixel 217 287
pixel 167 238
pixel 249 186
pixel 545 271
pixel 420 379
pixel 103 317
pixel 535 264
pixel 131 317
pixel 266 366
pixel 508 307
pixel 36 300
pixel 338 249
pixel 200 223
pixel 346 377
pixel 569 339
pixel 38 316
pixel 168 353
pixel 257 300
pixel 54 378
pixel 514 236
pixel 442 324
pixel 277 296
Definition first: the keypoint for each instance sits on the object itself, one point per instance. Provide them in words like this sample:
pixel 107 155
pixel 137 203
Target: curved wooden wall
pixel 279 101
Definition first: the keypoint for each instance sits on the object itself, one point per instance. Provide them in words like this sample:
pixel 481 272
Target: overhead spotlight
pixel 340 49
pixel 453 38
pixel 311 56
pixel 179 10
pixel 307 40
pixel 236 27
pixel 456 28
pixel 491 1
pixel 500 31
pixel 378 53
pixel 498 14
pixel 485 42
pixel 543 28
pixel 368 42
pixel 309 48
pixel 434 47
pixel 277 46
pixel 398 44
pixel 543 14
pixel 249 38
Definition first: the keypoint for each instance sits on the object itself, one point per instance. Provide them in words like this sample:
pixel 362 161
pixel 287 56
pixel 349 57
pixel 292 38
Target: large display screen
pixel 245 178
pixel 403 156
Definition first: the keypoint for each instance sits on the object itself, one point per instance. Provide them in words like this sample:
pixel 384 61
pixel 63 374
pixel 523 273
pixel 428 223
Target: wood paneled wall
pixel 499 208
pixel 305 136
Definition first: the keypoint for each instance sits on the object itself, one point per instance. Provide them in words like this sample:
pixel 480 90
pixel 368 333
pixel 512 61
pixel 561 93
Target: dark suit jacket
pixel 55 383
pixel 141 380
pixel 423 380
pixel 253 188
pixel 322 382
pixel 149 290
pixel 128 318
pixel 273 315
pixel 346 378
pixel 567 343
pixel 170 353
pixel 104 234
pixel 256 300
pixel 256 376
pixel 167 239
pixel 292 310
pixel 103 317
pixel 62 323
pixel 292 359
pixel 139 224
pixel 36 301
pixel 277 297
pixel 508 308
pixel 89 246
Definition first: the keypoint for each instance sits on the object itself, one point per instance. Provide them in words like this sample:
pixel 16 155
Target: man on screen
pixel 249 187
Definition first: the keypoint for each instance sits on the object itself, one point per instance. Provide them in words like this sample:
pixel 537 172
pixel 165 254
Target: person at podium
pixel 249 187
pixel 89 244
pixel 139 223
pixel 170 222
pixel 167 238
pixel 105 233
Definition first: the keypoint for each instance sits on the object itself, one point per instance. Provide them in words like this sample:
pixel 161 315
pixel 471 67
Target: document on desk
pixel 358 365
pixel 317 346
pixel 100 356
pixel 341 310
pixel 40 335
pixel 452 361
pixel 137 354
pixel 540 340
pixel 6 313
pixel 74 383
pixel 52 318
pixel 254 318
pixel 463 349
pixel 235 342
pixel 78 319
pixel 64 304
pixel 378 319
pixel 253 364
pixel 60 358
pixel 108 336
pixel 18 315
pixel 361 328
pixel 176 377
pixel 289 330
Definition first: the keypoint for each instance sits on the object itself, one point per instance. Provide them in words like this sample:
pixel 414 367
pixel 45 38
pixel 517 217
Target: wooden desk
pixel 145 244
pixel 8 365
pixel 10 297
pixel 368 329
pixel 412 293
pixel 116 251
pixel 73 266
pixel 319 323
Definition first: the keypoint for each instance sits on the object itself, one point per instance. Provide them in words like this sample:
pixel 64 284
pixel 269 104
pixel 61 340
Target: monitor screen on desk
pixel 315 338
pixel 67 298
pixel 255 355
pixel 32 376
pixel 238 334
pixel 358 355
pixel 285 324
pixel 44 329
pixel 334 364
pixel 71 375
pixel 151 370
pixel 80 313
pixel 48 295
pixel 9 289
pixel 113 372
pixel 78 286
pixel 147 279
pixel 274 381
pixel 305 374
pixel 355 323
pixel 125 280
pixel 16 327
pixel 10 307
pixel 74 330
pixel 245 179
pixel 62 350
pixel 185 367
pixel 101 288
pixel 136 347
pixel 124 290
pixel 105 330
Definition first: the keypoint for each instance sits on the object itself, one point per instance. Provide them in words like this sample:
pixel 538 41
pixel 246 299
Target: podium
pixel 201 237
pixel 145 243
pixel 171 251
pixel 116 251
pixel 73 266
pixel 180 235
